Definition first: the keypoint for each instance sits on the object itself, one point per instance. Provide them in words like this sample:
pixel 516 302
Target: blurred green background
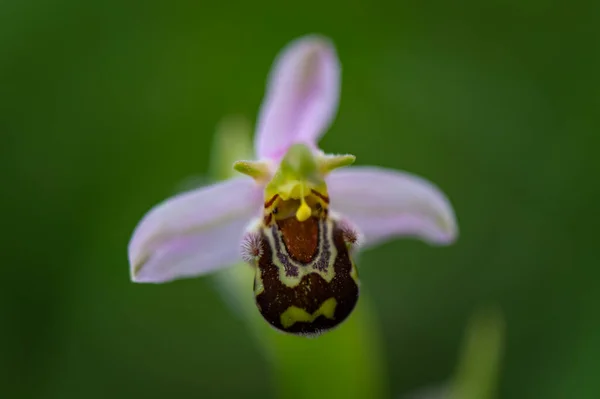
pixel 106 107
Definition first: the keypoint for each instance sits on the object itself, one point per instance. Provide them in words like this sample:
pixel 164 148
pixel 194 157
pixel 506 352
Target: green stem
pixel 479 364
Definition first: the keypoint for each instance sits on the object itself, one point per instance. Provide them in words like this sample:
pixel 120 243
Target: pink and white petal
pixel 194 233
pixel 385 203
pixel 301 99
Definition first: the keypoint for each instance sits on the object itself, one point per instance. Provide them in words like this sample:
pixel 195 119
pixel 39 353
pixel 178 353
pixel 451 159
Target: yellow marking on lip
pixel 354 273
pixel 259 286
pixel 294 314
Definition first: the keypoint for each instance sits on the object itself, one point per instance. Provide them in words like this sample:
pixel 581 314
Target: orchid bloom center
pixel 298 187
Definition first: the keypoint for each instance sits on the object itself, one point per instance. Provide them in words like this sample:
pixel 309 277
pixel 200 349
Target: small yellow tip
pixel 303 212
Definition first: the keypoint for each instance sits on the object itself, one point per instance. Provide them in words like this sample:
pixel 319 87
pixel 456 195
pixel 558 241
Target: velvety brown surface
pixel 301 238
pixel 310 293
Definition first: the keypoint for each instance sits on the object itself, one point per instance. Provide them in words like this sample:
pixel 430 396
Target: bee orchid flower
pixel 295 214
